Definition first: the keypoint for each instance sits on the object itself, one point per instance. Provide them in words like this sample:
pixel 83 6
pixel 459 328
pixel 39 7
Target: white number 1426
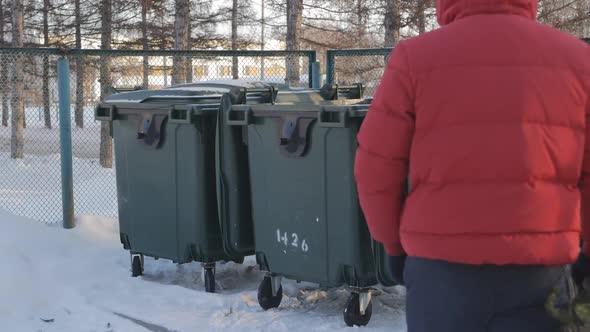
pixel 292 240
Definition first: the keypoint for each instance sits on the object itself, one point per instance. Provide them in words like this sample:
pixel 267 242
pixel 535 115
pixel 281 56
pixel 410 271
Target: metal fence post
pixel 65 133
pixel 316 77
pixel 330 66
pixel 312 58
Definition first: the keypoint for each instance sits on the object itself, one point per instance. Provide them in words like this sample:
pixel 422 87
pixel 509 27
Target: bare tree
pixel 3 69
pixel 392 23
pixel 188 61
pixel 581 17
pixel 106 39
pixel 234 38
pixel 79 110
pixel 18 104
pixel 294 20
pixel 567 15
pixel 144 42
pixel 181 38
pixel 421 6
pixel 46 96
pixel 361 20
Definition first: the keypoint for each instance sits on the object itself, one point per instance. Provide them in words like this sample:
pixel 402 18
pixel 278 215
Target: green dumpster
pixel 181 196
pixel 308 223
pixel 165 164
pixel 232 168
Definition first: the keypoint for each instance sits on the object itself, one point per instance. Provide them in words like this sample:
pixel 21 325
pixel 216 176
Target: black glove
pixel 396 268
pixel 581 270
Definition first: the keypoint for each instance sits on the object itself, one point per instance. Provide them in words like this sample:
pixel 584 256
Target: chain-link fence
pixel 29 135
pixel 30 181
pixel 361 66
pixel 357 66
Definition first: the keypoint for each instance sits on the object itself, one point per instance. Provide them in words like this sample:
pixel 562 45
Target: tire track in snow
pixel 149 326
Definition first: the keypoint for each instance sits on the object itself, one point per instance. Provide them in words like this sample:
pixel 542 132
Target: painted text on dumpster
pixel 293 240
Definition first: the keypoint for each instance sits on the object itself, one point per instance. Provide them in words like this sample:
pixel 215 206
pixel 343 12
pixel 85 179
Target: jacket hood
pixel 451 10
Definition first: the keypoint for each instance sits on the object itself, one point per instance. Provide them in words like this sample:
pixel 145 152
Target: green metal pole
pixel 65 135
pixel 312 59
pixel 330 66
pixel 317 75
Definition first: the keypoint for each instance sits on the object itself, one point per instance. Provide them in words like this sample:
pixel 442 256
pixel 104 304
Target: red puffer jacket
pixel 489 117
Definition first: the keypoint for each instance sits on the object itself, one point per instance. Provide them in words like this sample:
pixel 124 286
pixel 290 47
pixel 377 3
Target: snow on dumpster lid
pixel 223 84
pixel 204 89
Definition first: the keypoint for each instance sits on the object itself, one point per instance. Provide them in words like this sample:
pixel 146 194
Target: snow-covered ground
pixel 31 187
pixel 59 280
pixel 53 279
pixel 39 140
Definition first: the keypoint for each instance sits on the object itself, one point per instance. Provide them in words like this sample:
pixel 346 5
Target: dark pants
pixel 446 297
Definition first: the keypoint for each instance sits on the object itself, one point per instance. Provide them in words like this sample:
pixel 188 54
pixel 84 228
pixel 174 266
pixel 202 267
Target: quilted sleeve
pixel 381 167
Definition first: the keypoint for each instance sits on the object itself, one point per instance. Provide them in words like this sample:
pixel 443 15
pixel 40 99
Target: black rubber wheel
pixel 136 267
pixel 352 312
pixel 209 280
pixel 265 298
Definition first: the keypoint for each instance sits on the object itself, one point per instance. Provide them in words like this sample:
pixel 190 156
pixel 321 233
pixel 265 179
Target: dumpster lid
pixel 335 114
pixel 352 108
pixel 186 93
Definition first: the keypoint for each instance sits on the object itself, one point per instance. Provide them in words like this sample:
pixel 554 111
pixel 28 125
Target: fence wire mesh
pixel 364 66
pixel 30 183
pixel 29 135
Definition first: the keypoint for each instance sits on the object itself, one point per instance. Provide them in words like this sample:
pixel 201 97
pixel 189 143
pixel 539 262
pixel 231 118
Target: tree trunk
pixel 294 18
pixel 581 9
pixel 79 109
pixel 18 105
pixel 360 22
pixel 392 23
pixel 188 64
pixel 3 70
pixel 144 42
pixel 262 23
pixel 46 96
pixel 421 16
pixel 234 39
pixel 165 66
pixel 181 28
pixel 106 142
pixel 5 83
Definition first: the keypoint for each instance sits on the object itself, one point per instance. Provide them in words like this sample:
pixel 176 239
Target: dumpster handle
pixel 332 119
pixel 150 129
pixel 241 94
pixel 239 117
pixel 289 126
pixel 333 91
pixel 107 113
pixel 293 135
pixel 180 116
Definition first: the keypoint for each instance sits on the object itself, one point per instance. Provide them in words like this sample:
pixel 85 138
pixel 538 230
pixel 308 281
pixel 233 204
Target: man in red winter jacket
pixel 489 118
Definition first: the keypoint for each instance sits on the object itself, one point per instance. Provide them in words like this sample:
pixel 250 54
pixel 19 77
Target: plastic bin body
pixel 233 176
pixel 308 224
pixel 165 149
pixel 183 180
pixel 166 193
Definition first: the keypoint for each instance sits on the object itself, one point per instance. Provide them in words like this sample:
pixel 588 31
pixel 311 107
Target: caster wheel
pixel 209 280
pixel 352 313
pixel 136 267
pixel 265 297
pixel 239 260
